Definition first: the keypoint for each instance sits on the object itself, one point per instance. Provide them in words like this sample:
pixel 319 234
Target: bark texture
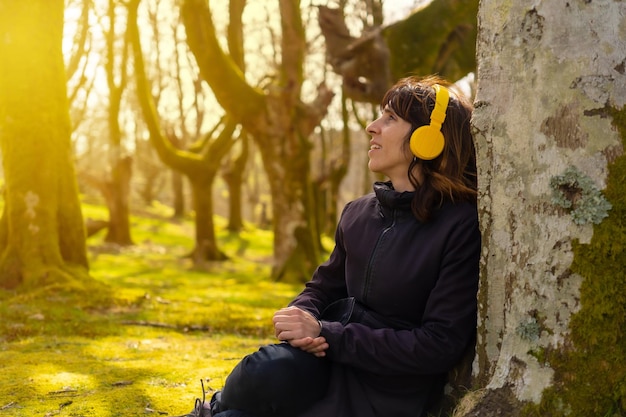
pixel 42 237
pixel 549 125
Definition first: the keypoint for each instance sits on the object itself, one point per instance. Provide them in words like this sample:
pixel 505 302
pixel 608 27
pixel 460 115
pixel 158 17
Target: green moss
pixel 541 354
pixel 441 39
pixel 139 343
pixel 590 370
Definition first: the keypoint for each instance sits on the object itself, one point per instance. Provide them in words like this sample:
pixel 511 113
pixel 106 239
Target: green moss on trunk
pixel 590 372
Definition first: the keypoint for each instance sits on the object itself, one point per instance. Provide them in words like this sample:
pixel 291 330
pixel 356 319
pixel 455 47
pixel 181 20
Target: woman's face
pixel 389 153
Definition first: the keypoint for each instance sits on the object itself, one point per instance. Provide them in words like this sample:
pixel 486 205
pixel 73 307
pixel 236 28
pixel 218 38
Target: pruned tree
pixel 550 125
pixel 278 120
pixel 42 238
pixel 200 164
pixel 437 38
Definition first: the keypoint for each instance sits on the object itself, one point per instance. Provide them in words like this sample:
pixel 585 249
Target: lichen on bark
pixel 590 370
pixel 576 192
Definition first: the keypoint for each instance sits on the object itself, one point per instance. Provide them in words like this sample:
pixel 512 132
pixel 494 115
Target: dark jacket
pixel 421 275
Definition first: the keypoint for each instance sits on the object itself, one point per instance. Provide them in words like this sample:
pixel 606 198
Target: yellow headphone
pixel 427 141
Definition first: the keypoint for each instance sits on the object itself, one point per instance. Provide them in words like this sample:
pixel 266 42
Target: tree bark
pixel 550 126
pixel 42 237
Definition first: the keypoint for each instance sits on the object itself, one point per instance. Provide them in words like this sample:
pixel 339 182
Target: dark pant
pixel 275 381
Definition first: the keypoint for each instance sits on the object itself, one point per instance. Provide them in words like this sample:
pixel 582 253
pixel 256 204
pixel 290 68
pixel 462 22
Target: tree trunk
pixel 178 195
pixel 117 191
pixel 42 239
pixel 118 185
pixel 177 182
pixel 296 252
pixel 550 126
pixel 206 244
pixel 233 176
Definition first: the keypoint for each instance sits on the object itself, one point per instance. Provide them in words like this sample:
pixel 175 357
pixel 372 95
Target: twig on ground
pixel 9 405
pixel 65 390
pixel 151 410
pixel 184 328
pixel 121 383
pixel 65 404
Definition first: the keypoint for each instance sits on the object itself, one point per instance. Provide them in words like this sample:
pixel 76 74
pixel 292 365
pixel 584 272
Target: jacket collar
pixel 390 198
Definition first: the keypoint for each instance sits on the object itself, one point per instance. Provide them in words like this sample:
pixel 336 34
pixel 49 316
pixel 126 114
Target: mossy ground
pixel 143 351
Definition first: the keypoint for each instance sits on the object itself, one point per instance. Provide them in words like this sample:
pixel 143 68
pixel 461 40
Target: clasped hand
pixel 300 329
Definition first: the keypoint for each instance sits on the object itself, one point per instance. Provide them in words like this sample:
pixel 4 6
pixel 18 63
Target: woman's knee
pixel 276 366
pixel 275 376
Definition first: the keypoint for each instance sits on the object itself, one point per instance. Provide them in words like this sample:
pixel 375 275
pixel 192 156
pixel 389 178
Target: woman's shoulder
pixel 364 199
pixel 458 211
pixel 461 207
pixel 360 204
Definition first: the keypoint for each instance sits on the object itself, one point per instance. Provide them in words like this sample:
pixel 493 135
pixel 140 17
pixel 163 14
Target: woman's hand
pixel 300 329
pixel 314 345
pixel 294 323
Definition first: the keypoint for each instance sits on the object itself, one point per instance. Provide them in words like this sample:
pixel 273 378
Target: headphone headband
pixel 427 142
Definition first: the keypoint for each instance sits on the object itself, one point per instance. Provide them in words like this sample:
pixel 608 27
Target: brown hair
pixel 452 175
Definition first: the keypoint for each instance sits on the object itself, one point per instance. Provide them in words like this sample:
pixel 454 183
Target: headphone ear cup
pixel 427 142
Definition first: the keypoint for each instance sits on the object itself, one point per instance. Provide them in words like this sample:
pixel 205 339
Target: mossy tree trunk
pixel 42 237
pixel 280 124
pixel 550 125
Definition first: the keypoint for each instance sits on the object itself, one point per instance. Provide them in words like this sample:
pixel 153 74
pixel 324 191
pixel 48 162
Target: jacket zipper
pixel 368 274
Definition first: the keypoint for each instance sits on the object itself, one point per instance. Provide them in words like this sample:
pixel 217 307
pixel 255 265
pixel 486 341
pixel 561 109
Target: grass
pixel 169 325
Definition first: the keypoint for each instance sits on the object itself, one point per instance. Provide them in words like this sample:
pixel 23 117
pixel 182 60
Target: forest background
pixel 114 301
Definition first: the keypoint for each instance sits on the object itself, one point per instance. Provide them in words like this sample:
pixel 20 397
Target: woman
pixel 394 307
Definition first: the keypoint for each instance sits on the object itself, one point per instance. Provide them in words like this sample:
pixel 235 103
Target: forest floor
pixel 168 326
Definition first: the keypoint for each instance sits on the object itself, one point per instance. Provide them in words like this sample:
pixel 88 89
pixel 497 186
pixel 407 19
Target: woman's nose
pixel 371 128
